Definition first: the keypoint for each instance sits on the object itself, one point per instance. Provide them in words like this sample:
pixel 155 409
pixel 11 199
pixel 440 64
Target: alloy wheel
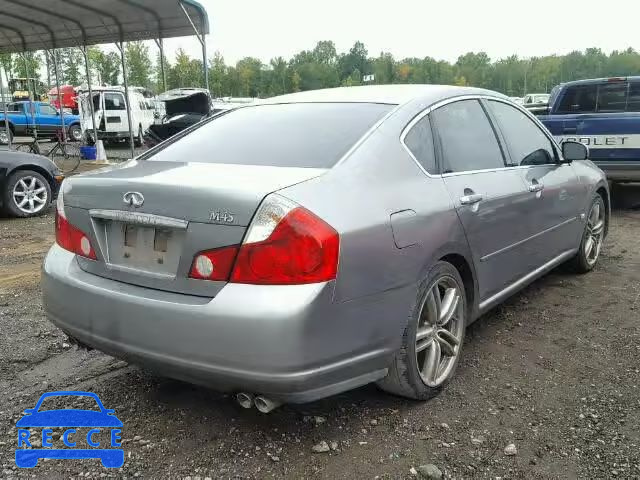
pixel 440 330
pixel 594 233
pixel 30 194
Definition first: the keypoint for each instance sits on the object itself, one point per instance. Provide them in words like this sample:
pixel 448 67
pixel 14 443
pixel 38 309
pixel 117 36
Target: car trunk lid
pixel 147 220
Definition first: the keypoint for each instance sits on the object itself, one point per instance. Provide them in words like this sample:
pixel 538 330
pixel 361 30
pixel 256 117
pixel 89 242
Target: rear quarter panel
pixel 358 196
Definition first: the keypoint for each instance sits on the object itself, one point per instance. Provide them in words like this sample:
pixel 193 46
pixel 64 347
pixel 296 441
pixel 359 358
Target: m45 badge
pixel 221 216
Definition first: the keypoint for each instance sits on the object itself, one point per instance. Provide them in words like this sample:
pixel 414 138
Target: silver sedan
pixel 319 241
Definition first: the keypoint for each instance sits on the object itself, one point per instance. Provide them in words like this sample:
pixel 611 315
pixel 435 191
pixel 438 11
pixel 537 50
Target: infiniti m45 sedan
pixel 319 241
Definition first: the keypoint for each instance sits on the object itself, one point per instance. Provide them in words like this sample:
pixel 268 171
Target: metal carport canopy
pixel 27 25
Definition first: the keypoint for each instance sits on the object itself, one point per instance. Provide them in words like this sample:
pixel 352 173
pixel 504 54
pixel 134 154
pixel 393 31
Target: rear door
pixel 555 195
pixel 487 195
pixel 115 112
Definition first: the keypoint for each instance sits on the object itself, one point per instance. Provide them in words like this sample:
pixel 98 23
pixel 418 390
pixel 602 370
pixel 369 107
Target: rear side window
pixel 313 135
pixel 114 101
pixel 527 144
pixel 633 102
pixel 467 138
pixel 579 99
pixel 605 98
pixel 612 97
pixel 419 141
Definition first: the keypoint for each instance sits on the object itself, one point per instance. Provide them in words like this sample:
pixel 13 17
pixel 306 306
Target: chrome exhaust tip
pixel 245 399
pixel 264 404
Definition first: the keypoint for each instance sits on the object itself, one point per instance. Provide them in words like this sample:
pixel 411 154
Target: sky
pixel 442 29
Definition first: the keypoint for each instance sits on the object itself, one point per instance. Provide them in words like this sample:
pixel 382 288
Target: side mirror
pixel 574 151
pixel 29 411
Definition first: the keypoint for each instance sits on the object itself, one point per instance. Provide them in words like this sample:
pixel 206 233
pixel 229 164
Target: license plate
pixel 152 249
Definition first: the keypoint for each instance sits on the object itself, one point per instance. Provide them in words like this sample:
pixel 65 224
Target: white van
pixel 111 114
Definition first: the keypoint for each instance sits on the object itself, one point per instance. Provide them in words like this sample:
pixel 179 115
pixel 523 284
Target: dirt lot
pixel 555 371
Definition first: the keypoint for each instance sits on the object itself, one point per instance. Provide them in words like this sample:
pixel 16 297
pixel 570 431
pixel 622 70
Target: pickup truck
pixel 24 117
pixel 604 114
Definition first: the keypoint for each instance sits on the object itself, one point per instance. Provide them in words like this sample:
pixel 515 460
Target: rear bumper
pixel 289 342
pixel 627 171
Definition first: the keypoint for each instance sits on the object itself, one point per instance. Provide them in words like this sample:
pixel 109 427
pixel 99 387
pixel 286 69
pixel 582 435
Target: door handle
pixel 470 199
pixel 536 187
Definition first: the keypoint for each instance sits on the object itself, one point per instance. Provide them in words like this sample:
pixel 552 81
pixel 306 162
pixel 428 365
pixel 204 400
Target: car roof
pixel 390 94
pixel 590 81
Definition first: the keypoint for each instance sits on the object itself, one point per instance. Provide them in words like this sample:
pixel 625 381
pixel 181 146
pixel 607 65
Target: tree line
pixel 324 67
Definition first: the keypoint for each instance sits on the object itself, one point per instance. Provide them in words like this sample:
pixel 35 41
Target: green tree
pixel 356 59
pixel 70 69
pixel 186 72
pixel 107 66
pixel 28 64
pixel 139 66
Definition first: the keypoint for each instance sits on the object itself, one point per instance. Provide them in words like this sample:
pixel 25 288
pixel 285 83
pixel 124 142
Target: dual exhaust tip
pixel 263 404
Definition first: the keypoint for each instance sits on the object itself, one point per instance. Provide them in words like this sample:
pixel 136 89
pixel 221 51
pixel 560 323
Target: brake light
pixel 214 264
pixel 69 237
pixel 286 244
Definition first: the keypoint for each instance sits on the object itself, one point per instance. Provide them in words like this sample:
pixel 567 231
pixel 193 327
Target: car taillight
pixel 286 244
pixel 69 237
pixel 214 264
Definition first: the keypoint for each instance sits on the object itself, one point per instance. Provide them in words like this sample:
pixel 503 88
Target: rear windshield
pixel 313 135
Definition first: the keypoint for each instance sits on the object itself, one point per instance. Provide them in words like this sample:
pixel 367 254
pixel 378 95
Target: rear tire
pixel 431 345
pixel 75 133
pixel 592 237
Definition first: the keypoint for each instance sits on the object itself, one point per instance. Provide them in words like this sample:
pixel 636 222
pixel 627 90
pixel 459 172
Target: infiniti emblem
pixel 133 199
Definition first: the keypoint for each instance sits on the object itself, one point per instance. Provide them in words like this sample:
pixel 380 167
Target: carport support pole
pixel 4 107
pixel 164 77
pixel 93 114
pixel 46 57
pixel 32 111
pixel 126 95
pixel 204 62
pixel 55 72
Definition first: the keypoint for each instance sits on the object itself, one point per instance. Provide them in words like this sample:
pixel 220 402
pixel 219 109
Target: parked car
pixel 182 107
pixel 28 183
pixel 532 99
pixel 604 114
pixel 110 110
pixel 322 240
pixel 24 117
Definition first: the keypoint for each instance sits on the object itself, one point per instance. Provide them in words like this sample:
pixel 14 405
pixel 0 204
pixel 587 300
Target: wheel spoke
pixel 39 190
pixel 449 305
pixel 32 184
pixel 424 332
pixel 31 203
pixel 18 193
pixel 448 342
pixel 432 363
pixel 424 344
pixel 588 246
pixel 595 214
pixel 23 202
pixel 431 305
pixel 39 200
pixel 597 228
pixel 23 184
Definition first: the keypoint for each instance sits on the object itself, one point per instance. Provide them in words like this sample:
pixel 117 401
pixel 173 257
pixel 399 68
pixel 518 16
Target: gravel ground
pixel 547 388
